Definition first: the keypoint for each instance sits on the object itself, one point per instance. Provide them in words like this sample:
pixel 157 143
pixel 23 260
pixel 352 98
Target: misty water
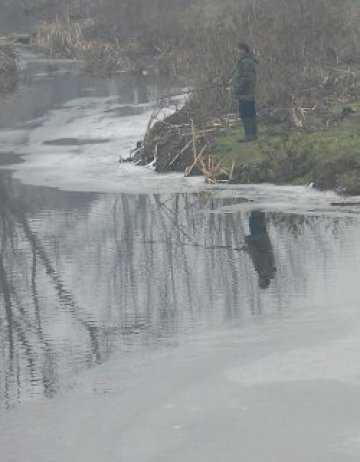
pixel 149 317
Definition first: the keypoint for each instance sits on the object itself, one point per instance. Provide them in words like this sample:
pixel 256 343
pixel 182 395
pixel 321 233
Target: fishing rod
pixel 224 84
pixel 191 91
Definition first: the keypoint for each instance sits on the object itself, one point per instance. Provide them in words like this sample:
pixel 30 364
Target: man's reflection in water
pixel 260 249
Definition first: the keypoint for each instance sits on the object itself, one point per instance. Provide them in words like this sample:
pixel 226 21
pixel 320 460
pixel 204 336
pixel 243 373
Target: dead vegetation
pixel 183 143
pixel 62 37
pixel 309 55
pixel 67 39
pixel 305 47
pixel 309 62
pixel 8 66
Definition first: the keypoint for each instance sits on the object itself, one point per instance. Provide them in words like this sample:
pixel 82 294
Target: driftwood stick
pixel 196 160
pixel 175 126
pixel 180 152
pixel 193 138
pixel 232 170
pixel 153 117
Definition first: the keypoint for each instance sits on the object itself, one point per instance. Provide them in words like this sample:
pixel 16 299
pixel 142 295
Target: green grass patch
pixel 329 157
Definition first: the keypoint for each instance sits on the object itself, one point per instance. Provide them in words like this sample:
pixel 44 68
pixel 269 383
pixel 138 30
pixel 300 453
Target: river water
pixel 149 317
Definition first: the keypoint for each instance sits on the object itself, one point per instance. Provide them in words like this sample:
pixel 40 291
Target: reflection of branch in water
pixel 187 236
pixel 5 289
pixel 34 292
pixel 15 325
pixel 201 246
pixel 20 328
pixel 180 230
pixel 64 296
pixel 49 378
pixel 173 218
pixel 225 233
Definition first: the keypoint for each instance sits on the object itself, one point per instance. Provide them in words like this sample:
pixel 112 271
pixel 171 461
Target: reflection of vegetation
pixel 22 327
pixel 130 269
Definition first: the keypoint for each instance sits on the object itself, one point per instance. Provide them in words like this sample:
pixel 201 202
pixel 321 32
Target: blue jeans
pixel 247 109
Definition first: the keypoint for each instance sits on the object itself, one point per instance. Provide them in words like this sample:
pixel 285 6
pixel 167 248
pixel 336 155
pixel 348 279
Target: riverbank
pixel 324 151
pixel 327 157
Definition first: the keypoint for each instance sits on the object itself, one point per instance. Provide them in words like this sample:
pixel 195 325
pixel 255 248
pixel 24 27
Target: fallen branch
pixel 196 160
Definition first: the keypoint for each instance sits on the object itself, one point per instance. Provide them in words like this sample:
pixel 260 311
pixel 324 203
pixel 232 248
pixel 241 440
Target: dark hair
pixel 244 46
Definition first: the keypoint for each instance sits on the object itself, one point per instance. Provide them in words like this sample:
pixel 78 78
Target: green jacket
pixel 245 78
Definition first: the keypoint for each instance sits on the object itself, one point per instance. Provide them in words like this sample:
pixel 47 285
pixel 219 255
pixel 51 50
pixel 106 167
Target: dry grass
pixel 67 39
pixel 8 66
pixel 105 57
pixel 61 37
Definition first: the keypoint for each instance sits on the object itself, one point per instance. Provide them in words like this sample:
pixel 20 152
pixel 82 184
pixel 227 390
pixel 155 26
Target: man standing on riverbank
pixel 244 83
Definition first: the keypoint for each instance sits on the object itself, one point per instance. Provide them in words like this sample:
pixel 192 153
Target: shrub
pixel 8 67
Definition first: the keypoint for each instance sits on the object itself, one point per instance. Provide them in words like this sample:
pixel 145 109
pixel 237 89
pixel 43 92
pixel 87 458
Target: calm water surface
pixel 85 275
